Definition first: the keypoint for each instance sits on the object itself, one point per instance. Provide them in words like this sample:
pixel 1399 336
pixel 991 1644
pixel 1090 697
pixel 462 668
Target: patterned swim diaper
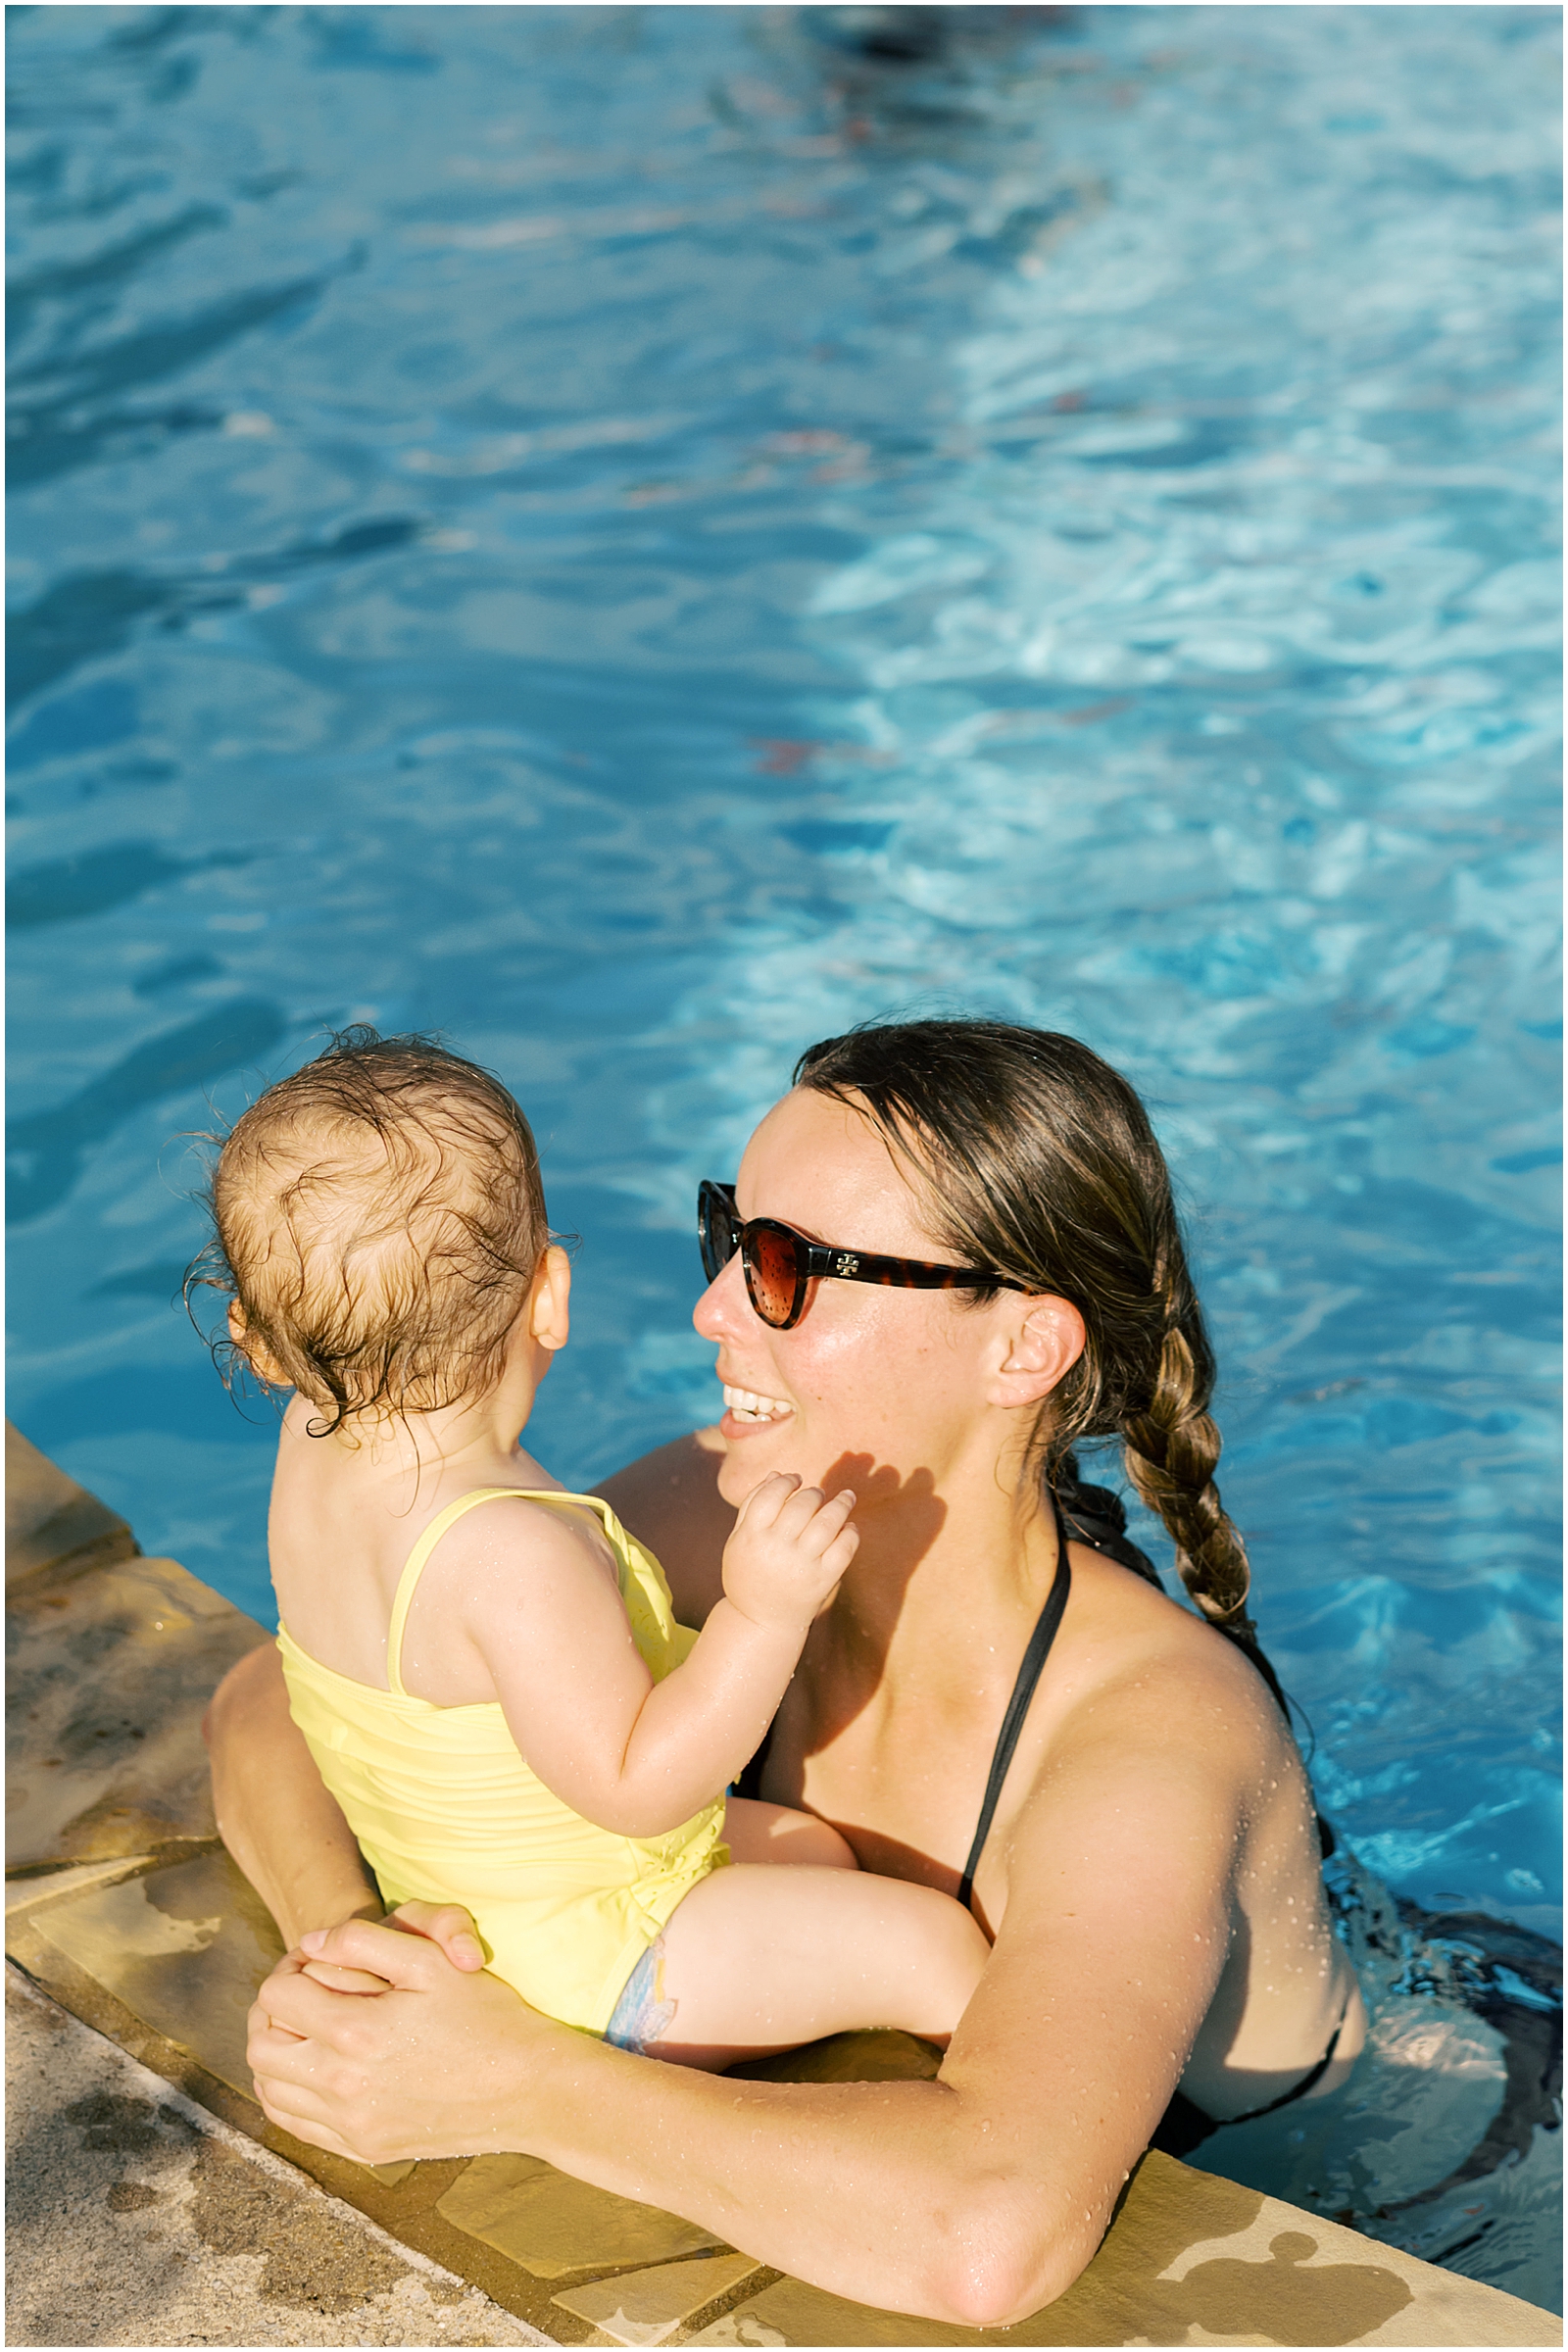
pixel 642 2012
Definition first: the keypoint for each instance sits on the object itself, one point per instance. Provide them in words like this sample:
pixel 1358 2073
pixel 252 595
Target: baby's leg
pixel 759 1959
pixel 757 1832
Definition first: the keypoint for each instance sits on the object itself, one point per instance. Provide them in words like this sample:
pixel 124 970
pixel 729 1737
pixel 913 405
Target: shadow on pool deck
pixel 122 1905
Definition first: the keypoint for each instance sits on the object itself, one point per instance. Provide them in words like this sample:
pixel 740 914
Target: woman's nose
pixel 723 1311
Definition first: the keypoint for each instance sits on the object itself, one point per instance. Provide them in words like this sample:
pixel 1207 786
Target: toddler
pixel 486 1667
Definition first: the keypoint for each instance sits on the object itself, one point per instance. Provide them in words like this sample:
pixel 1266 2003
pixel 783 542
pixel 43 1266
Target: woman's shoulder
pixel 1138 1665
pixel 1160 1751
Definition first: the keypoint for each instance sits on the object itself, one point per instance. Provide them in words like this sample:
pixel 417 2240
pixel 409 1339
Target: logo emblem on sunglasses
pixel 847 1265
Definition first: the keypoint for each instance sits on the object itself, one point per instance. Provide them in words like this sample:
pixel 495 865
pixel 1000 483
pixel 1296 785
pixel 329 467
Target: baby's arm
pixel 636 1756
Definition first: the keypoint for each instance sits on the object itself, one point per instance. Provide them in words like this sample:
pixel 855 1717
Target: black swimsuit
pixel 1100 1523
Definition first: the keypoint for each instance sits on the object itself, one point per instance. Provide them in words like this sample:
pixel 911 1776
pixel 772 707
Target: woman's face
pixel 899 1376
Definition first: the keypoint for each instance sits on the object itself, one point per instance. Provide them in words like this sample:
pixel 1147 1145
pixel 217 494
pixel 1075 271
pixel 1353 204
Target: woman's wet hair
pixel 1035 1158
pixel 378 1219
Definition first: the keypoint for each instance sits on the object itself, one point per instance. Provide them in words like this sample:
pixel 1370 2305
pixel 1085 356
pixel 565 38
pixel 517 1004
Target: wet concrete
pixel 135 2218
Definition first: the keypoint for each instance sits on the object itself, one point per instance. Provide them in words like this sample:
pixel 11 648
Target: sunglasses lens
pixel 716 1231
pixel 772 1274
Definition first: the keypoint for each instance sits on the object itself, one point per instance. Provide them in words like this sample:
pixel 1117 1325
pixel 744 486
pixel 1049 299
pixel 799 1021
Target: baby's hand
pixel 788 1551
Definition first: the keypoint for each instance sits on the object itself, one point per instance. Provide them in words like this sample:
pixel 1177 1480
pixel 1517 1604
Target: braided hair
pixel 1038 1159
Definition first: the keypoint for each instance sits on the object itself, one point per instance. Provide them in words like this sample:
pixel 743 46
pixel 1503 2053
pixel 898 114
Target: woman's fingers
pixel 297 2028
pixel 428 2069
pixel 447 1925
pixel 312 2083
pixel 305 2127
pixel 343 1980
pixel 402 1957
pixel 295 2112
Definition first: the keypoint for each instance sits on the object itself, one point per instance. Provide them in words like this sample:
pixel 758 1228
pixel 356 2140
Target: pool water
pixel 638 537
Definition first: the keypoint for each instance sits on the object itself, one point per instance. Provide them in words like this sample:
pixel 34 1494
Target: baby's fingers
pixel 842 1550
pixel 825 1523
pixel 798 1514
pixel 765 1502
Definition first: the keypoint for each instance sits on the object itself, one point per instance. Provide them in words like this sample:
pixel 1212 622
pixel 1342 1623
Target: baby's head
pixel 379 1223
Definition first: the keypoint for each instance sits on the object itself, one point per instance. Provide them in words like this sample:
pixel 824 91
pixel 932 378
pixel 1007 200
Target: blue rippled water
pixel 641 536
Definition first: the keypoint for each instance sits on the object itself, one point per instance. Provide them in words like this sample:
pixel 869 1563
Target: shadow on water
pixel 44 1152
pixel 89 614
pixel 66 889
pixel 50 437
pixel 1454 2099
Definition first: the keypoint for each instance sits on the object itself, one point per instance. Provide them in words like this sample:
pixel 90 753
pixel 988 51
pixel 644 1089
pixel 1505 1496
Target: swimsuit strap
pixel 418 1560
pixel 1023 1691
pixel 1297 2091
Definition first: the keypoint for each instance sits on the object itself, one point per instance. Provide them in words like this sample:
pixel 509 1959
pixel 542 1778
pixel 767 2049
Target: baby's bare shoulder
pixel 510 1532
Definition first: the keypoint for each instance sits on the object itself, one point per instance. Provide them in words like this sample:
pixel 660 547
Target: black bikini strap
pixel 1023 1691
pixel 1297 2091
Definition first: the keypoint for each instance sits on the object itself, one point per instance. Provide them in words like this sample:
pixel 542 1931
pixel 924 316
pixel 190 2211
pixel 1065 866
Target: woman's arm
pixel 973 2199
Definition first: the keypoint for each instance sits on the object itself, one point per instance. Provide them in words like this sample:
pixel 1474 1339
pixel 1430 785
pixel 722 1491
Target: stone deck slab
pixel 106 1673
pixel 54 1526
pixel 649 2307
pixel 127 1912
pixel 133 2216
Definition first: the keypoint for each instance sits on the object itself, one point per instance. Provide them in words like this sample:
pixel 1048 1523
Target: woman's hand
pixel 437 2064
pixel 445 1924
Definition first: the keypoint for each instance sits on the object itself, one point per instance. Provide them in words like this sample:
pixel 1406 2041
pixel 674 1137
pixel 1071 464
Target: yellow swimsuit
pixel 446 1810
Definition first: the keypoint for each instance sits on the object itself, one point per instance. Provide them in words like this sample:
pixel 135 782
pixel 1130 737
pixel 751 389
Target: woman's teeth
pixel 746 1406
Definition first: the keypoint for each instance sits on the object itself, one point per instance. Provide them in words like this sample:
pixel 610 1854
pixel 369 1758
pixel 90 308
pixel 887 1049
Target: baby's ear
pixel 259 1358
pixel 549 1307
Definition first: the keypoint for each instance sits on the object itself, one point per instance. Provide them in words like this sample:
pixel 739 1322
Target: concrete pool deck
pixel 125 1913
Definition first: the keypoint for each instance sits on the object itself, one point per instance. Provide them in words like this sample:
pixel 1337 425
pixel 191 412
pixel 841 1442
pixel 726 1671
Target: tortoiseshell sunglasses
pixel 780 1264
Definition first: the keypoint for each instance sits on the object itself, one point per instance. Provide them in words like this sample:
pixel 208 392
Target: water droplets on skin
pixel 1062 530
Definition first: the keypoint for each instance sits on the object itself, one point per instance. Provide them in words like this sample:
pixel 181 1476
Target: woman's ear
pixel 550 1302
pixel 1042 1341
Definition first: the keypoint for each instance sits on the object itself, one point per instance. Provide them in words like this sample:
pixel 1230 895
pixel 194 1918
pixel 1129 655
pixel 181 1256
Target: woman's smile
pixel 745 1411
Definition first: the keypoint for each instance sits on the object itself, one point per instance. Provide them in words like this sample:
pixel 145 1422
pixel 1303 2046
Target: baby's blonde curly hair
pixel 378 1220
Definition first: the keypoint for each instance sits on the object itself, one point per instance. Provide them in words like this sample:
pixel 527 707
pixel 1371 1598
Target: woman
pixel 1127 1811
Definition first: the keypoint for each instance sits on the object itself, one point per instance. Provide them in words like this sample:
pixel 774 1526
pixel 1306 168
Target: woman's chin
pixel 752 1448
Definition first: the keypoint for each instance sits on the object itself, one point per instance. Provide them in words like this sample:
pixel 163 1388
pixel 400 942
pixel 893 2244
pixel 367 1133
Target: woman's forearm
pixel 273 1811
pixel 950 2200
pixel 928 2197
pixel 892 2193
